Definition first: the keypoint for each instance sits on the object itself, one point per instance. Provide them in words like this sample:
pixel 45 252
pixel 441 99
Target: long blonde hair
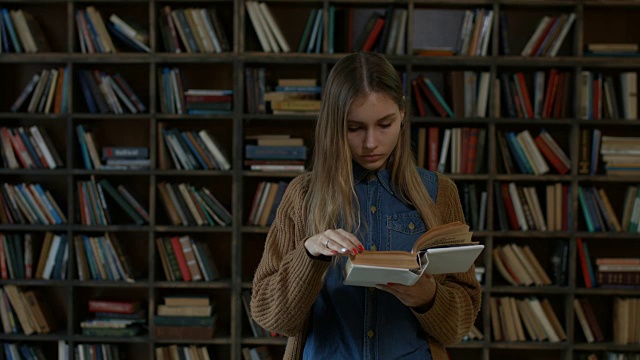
pixel 331 201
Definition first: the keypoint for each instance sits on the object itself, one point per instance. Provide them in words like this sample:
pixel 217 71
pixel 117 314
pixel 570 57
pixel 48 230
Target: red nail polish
pixel 334 252
pixel 361 247
pixel 390 284
pixel 354 251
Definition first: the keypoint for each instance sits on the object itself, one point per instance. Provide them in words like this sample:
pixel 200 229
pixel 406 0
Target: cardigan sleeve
pixel 287 280
pixel 457 300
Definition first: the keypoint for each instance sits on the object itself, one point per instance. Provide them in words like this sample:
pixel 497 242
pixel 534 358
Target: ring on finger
pixel 326 244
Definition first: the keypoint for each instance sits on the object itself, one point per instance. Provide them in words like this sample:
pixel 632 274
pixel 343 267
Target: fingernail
pixel 334 252
pixel 361 247
pixel 344 250
pixel 390 284
pixel 354 251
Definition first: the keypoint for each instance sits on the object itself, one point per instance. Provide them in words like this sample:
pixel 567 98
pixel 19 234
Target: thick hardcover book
pixel 442 250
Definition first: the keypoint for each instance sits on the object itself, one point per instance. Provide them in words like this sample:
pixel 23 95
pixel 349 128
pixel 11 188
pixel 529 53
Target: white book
pixel 268 31
pixel 51 257
pixel 52 90
pixel 402 32
pixel 538 94
pixel 274 27
pixel 444 151
pixel 533 40
pixel 486 34
pixel 531 148
pixel 517 206
pixel 40 143
pixel 210 30
pixel 262 38
pixel 563 33
pixel 214 150
pixel 483 94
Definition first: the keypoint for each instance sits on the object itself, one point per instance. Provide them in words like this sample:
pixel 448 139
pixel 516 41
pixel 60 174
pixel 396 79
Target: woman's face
pixel 373 129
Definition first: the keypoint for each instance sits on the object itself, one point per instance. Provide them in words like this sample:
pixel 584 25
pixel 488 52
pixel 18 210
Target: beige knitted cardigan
pixel 288 280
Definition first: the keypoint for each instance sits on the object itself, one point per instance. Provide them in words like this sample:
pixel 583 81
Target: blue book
pixel 282 186
pixel 51 209
pixel 517 152
pixel 305 89
pixel 30 148
pixel 276 152
pixel 95 39
pixel 86 91
pixel 12 31
pixel 93 268
pixel 3 33
pixel 59 262
pixel 314 32
pixel 194 151
pixel 80 131
pixel 65 91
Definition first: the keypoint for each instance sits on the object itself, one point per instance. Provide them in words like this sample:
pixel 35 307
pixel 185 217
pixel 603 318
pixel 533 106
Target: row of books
pixel 192 149
pixel 46 92
pixel 269 34
pixel 185 317
pixel 587 319
pixel 469 94
pixel 94 34
pixel 460 150
pixel 609 272
pixel 184 259
pixel 518 319
pixel 23 311
pixel 17 256
pixel 94 209
pixel 625 321
pixel 609 355
pixel 602 97
pixel 522 153
pixel 179 352
pixel 519 265
pixel 620 153
pixel 29 148
pixel 193 30
pixel 551 94
pixel 383 33
pixel 549 35
pixel 15 351
pixel 105 93
pixel 20 32
pixel 29 204
pixel 520 207
pixel 88 351
pixel 188 206
pixel 598 212
pixel 115 157
pixel 257 330
pixel 473 34
pixel 114 318
pixel 423 86
pixel 101 258
pixel 265 202
pixel 475 210
pixel 288 97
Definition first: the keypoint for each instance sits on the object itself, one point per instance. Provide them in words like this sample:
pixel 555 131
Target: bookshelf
pixel 237 248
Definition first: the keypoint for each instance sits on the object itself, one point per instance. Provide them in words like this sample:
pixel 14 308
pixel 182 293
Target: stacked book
pixel 184 259
pixel 175 352
pixel 521 152
pixel 460 150
pixel 621 155
pixel 175 99
pixel 20 32
pixel 549 35
pixel 47 92
pixel 29 148
pixel 188 206
pixel 99 351
pixel 519 266
pixel 29 204
pixel 94 209
pixel 194 30
pixel 129 32
pixel 185 317
pixel 191 150
pixel 611 49
pixel 275 153
pixel 265 202
pixel 114 318
pixel 618 272
pixel 104 93
pixel 23 311
pixel 269 34
pixel 516 319
pixel 124 158
pixel 101 258
pixel 294 97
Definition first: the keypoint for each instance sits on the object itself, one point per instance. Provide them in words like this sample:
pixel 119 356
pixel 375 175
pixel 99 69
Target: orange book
pixel 525 94
pixel 182 262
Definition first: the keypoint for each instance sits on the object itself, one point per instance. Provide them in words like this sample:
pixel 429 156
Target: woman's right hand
pixel 336 242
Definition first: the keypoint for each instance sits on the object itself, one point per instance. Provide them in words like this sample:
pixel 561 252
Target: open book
pixel 443 249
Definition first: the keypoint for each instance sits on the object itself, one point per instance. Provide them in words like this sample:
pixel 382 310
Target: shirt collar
pixel 382 176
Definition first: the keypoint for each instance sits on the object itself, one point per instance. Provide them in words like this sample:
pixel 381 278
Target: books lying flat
pixel 444 249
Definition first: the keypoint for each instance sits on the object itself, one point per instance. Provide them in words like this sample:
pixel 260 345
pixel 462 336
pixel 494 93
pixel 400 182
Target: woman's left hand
pixel 419 295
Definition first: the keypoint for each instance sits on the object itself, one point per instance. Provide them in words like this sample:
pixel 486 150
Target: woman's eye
pixel 352 129
pixel 384 126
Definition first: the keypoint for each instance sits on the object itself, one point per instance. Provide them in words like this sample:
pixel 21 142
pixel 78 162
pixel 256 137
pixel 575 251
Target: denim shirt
pixel 352 322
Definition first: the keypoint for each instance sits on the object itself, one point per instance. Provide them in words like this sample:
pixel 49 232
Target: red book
pixel 3 261
pixel 544 35
pixel 504 262
pixel 556 113
pixel 373 35
pixel 583 264
pixel 416 94
pixel 550 155
pixel 472 151
pixel 508 204
pixel 432 98
pixel 433 141
pixel 548 96
pixel 120 307
pixel 464 151
pixel 597 98
pixel 182 262
pixel 525 94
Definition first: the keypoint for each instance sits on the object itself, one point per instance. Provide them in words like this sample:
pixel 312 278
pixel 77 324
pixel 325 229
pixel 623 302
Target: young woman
pixel 364 192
